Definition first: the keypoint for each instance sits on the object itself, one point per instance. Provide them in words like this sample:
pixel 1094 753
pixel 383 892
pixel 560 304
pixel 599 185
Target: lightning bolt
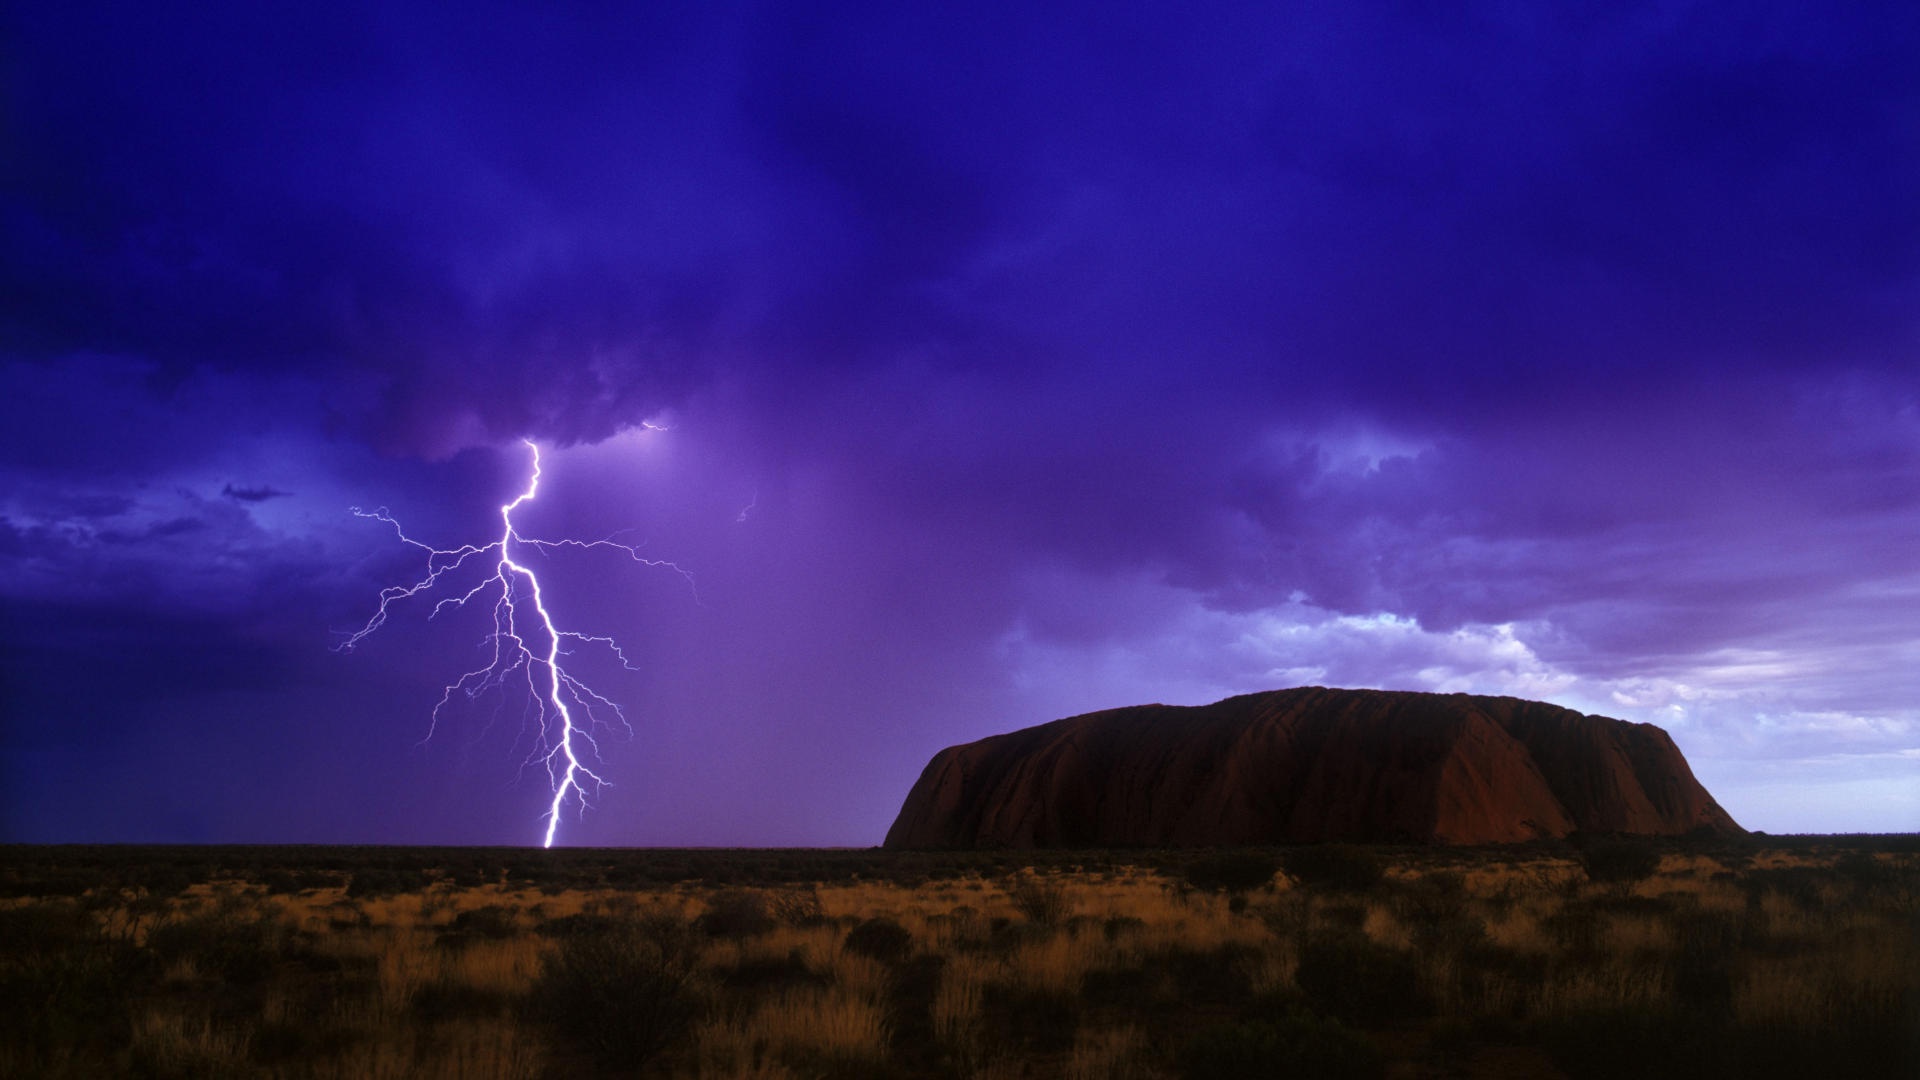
pixel 525 645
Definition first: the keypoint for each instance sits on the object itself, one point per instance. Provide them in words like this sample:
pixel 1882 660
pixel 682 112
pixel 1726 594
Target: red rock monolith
pixel 1309 764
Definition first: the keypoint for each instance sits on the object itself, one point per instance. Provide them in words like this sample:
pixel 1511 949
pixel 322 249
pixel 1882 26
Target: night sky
pixel 980 367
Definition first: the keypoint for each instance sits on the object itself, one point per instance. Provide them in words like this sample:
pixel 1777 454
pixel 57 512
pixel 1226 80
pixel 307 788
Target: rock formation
pixel 1309 764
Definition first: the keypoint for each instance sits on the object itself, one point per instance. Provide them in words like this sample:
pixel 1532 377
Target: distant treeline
pixel 369 870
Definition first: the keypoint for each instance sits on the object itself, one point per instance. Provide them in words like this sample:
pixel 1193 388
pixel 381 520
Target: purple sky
pixel 1011 366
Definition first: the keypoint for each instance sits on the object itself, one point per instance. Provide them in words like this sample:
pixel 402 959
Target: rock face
pixel 1305 765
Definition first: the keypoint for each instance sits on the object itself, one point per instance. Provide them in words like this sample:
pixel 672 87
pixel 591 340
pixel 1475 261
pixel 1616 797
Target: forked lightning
pixel 515 587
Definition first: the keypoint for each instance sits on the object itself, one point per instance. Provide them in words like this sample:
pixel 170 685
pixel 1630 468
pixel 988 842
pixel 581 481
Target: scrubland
pixel 1616 959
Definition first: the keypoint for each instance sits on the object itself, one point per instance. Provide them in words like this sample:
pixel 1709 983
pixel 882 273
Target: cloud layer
pixel 1009 364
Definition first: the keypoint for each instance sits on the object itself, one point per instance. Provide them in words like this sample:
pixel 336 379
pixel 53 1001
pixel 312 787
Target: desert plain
pixel 1751 956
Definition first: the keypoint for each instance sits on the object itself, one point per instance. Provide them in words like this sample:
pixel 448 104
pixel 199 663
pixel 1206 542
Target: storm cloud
pixel 1063 361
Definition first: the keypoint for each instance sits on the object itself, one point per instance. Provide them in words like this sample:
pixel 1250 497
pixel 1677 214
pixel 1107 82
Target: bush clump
pixel 1033 1019
pixel 1360 981
pixel 797 907
pixel 737 913
pixel 622 995
pixel 65 987
pixel 1232 871
pixel 880 938
pixel 1334 867
pixel 1041 900
pixel 1620 863
pixel 495 922
pixel 375 882
pixel 236 950
pixel 1215 976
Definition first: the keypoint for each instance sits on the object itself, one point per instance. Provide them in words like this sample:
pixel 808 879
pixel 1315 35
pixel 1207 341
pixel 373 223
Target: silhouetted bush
pixel 1336 867
pixel 1294 1047
pixel 767 973
pixel 450 999
pixel 621 995
pixel 1433 897
pixel 492 921
pixel 1130 988
pixel 1703 967
pixel 277 1042
pixel 64 987
pixel 1620 863
pixel 1435 909
pixel 1232 871
pixel 1216 976
pixel 1355 979
pixel 1643 1042
pixel 1036 1020
pixel 376 882
pixel 1450 934
pixel 880 938
pixel 580 925
pixel 1895 883
pixel 736 913
pixel 911 990
pixel 1351 917
pixel 1575 929
pixel 1801 886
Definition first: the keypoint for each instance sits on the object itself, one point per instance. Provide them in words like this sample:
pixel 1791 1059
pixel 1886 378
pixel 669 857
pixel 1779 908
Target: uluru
pixel 1305 765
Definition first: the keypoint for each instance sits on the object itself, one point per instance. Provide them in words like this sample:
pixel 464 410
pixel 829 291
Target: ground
pixel 1761 957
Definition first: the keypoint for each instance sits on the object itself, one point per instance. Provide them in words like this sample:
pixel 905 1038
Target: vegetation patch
pixel 1774 959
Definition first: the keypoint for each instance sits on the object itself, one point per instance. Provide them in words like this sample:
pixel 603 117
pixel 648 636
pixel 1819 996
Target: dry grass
pixel 1108 1054
pixel 956 1004
pixel 833 1028
pixel 1111 971
pixel 181 1042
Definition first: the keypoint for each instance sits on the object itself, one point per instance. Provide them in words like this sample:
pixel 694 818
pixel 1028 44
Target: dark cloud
pixel 253 494
pixel 1061 359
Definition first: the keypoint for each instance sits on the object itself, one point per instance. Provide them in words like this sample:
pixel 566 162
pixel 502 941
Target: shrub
pixel 880 938
pixel 1335 867
pixel 1347 917
pixel 621 995
pixel 1041 900
pixel 1450 934
pixel 1654 1043
pixel 65 988
pixel 1620 863
pixel 773 973
pixel 493 921
pixel 1036 1019
pixel 1232 871
pixel 737 913
pixel 1439 915
pixel 1433 898
pixel 1703 975
pixel 580 925
pixel 1297 1046
pixel 1357 980
pixel 389 882
pixel 447 999
pixel 236 951
pixel 1803 886
pixel 1130 988
pixel 1216 976
pixel 797 907
pixel 911 992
